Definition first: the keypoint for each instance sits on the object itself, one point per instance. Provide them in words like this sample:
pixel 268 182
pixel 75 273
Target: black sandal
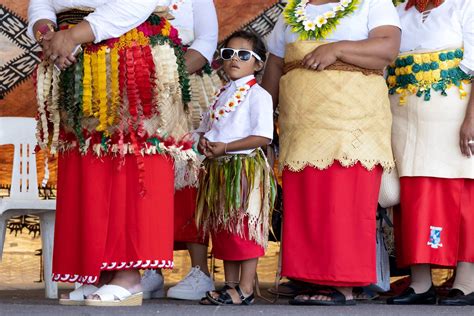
pixel 336 299
pixel 224 298
pixel 206 301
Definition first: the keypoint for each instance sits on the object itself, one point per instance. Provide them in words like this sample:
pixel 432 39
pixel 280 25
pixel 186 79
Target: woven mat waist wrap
pixel 338 65
pixel 332 115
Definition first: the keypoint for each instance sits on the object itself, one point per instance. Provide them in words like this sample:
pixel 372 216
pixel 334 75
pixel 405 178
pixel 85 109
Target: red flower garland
pixel 421 5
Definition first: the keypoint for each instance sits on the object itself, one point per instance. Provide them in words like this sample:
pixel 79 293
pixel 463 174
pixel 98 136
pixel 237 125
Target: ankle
pixel 246 289
pixel 232 284
pixel 419 287
pixel 203 269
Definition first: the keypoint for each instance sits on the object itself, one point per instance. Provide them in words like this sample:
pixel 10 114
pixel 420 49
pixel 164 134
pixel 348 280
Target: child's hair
pixel 258 46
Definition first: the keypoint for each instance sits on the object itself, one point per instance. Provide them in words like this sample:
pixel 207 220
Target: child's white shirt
pixel 253 116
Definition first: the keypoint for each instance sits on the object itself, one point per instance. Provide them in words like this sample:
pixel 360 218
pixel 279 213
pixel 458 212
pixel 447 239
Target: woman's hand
pixel 215 149
pixel 466 140
pixel 322 57
pixel 58 47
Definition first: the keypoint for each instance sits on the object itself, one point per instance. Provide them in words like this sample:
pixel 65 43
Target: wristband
pixel 225 149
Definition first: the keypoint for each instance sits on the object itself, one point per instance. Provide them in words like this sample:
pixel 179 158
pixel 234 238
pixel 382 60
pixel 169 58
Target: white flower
pixel 338 8
pixel 309 25
pixel 329 14
pixel 320 21
pixel 345 3
pixel 302 18
pixel 299 12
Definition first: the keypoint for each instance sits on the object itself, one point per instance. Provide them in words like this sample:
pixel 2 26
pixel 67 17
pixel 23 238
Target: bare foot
pixel 346 291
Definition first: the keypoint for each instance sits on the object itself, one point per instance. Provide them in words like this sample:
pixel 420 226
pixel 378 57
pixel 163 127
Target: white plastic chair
pixel 24 198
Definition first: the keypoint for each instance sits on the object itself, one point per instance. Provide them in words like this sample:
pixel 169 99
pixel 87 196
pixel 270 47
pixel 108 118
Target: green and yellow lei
pixel 320 27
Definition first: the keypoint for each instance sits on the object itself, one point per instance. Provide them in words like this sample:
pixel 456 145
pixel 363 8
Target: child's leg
pixel 248 269
pixel 247 275
pixel 232 272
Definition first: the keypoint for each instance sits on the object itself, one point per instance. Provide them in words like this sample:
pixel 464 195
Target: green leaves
pixel 296 20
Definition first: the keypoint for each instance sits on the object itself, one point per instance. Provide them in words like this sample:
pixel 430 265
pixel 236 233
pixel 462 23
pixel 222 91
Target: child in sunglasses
pixel 237 189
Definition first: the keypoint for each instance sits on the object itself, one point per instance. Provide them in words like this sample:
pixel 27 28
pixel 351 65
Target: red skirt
pixel 329 225
pixel 185 229
pixel 435 224
pixel 232 247
pixel 102 222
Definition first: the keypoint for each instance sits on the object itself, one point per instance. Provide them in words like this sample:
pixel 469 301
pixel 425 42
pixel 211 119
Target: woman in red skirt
pixel 196 22
pixel 106 111
pixel 433 142
pixel 237 188
pixel 325 73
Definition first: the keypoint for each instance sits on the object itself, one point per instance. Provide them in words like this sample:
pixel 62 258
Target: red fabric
pixel 329 225
pixel 231 247
pixel 185 230
pixel 435 202
pixel 101 218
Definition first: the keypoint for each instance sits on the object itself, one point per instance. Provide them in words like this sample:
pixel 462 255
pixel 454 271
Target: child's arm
pixel 217 149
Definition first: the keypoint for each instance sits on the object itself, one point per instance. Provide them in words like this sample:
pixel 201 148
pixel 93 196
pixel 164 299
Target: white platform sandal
pixel 114 295
pixel 78 296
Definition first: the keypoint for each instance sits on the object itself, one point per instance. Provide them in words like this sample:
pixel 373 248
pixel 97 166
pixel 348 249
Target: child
pixel 237 191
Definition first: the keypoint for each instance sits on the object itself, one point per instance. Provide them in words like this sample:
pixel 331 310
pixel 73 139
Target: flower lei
pixel 320 27
pixel 234 101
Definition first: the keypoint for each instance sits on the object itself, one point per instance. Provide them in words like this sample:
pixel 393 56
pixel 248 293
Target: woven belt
pixel 338 65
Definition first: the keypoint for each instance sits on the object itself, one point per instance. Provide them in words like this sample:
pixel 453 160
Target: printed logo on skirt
pixel 435 237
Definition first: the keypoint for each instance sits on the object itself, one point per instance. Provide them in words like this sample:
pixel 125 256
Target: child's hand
pixel 203 145
pixel 215 149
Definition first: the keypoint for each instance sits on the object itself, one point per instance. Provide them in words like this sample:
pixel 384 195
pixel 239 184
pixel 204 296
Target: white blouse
pixel 354 27
pixel 196 21
pixel 253 116
pixel 112 18
pixel 451 25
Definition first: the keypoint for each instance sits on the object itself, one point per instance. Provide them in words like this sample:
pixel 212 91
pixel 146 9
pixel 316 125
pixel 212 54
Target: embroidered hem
pixel 140 264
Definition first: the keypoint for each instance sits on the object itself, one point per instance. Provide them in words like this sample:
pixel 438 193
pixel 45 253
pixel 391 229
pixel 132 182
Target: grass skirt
pixel 233 188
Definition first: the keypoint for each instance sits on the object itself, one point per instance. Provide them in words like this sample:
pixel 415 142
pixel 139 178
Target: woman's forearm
pixel 376 52
pixel 271 77
pixel 470 107
pixel 249 142
pixel 194 60
pixel 81 33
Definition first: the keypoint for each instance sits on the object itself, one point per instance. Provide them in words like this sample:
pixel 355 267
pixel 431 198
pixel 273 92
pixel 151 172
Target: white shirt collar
pixel 240 82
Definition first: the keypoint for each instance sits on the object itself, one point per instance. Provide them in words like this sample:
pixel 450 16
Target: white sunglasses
pixel 242 54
